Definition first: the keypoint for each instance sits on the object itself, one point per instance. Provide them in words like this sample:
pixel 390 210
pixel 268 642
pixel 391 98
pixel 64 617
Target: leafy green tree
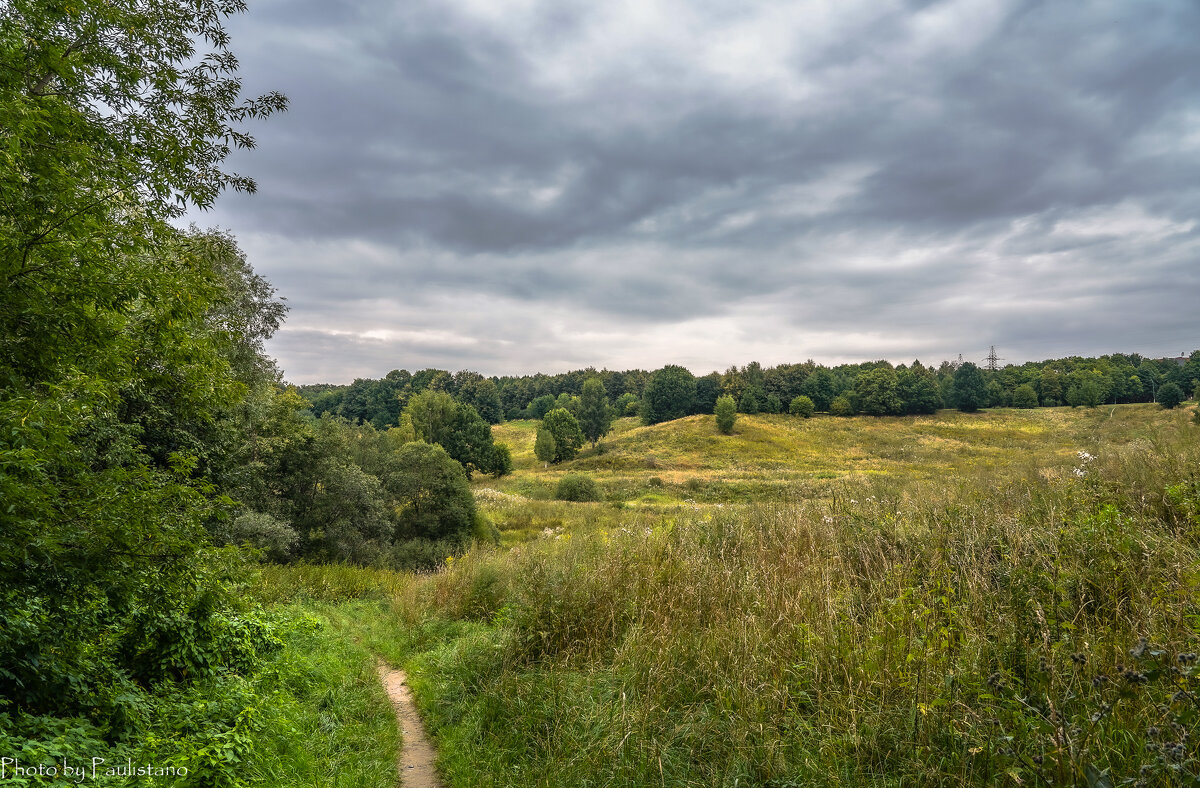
pixel 469 441
pixel 1050 385
pixel 626 404
pixel 595 415
pixel 122 368
pixel 708 388
pixel 544 447
pixel 1170 396
pixel 750 403
pixel 819 387
pixel 1024 397
pixel 433 414
pixel 876 391
pixel 481 394
pixel 457 427
pixel 431 493
pixel 802 406
pixel 502 463
pixel 726 413
pixel 841 406
pixel 540 406
pixel 773 405
pixel 1088 393
pixel 568 403
pixel 568 437
pixel 970 388
pixel 917 387
pixel 670 394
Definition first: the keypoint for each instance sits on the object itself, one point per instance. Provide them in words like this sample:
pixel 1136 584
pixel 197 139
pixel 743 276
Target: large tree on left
pixel 122 343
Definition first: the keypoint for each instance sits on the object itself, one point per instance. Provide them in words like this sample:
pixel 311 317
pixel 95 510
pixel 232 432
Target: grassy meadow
pixel 1002 598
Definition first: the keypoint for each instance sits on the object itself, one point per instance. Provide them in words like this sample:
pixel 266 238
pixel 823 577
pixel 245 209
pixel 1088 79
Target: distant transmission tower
pixel 991 360
pixel 958 363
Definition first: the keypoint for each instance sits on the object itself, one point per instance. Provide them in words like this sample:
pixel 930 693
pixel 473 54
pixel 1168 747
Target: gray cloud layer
pixel 524 184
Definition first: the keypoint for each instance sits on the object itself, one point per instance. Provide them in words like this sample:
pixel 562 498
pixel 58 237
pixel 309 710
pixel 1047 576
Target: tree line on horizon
pixel 871 388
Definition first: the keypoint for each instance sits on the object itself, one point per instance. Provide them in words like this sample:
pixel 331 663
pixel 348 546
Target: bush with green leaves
pixel 1170 396
pixel 841 406
pixel 1024 397
pixel 877 393
pixel 726 413
pixel 577 487
pixel 803 407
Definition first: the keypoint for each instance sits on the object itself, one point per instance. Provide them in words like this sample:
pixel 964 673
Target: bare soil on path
pixel 416 757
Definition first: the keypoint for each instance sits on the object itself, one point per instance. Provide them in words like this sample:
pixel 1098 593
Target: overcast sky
pixel 520 185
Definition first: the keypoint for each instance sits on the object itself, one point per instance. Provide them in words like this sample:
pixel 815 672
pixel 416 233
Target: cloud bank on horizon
pixel 521 185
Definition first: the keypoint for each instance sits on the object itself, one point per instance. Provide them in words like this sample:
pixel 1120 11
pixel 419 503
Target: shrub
pixel 276 539
pixel 577 487
pixel 1025 397
pixel 1170 395
pixel 841 406
pixel 726 413
pixel 502 464
pixel 803 407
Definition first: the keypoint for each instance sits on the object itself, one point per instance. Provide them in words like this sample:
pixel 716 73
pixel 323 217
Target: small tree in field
pixel 970 388
pixel 568 438
pixel 841 406
pixel 803 407
pixel 595 416
pixel 1024 397
pixel 1170 395
pixel 726 413
pixel 544 447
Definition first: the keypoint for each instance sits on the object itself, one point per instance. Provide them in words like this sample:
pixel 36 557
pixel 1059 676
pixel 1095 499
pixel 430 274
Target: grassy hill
pixel 775 457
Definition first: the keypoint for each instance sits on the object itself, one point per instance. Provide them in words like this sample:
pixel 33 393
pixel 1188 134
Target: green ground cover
pixel 1006 598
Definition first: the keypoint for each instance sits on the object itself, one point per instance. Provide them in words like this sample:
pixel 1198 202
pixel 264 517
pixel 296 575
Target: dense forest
pixel 872 388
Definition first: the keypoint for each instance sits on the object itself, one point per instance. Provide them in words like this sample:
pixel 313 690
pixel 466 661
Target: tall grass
pixel 987 629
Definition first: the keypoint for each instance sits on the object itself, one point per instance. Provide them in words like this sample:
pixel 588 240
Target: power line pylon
pixel 991 361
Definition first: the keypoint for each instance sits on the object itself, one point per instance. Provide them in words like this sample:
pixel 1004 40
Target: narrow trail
pixel 416 756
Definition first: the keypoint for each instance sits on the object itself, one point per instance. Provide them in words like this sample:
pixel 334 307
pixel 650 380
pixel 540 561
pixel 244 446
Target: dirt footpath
pixel 416 757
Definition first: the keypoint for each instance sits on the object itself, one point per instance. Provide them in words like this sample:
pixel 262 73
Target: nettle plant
pixel 1068 721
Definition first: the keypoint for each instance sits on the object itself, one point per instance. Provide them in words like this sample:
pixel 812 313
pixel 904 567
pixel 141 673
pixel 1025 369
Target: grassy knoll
pixel 776 458
pixel 970 601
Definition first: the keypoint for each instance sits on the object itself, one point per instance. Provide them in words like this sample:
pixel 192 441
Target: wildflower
pixel 1079 659
pixel 1137 651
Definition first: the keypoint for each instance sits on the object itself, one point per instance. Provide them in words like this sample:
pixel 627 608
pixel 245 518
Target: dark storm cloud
pixel 536 183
